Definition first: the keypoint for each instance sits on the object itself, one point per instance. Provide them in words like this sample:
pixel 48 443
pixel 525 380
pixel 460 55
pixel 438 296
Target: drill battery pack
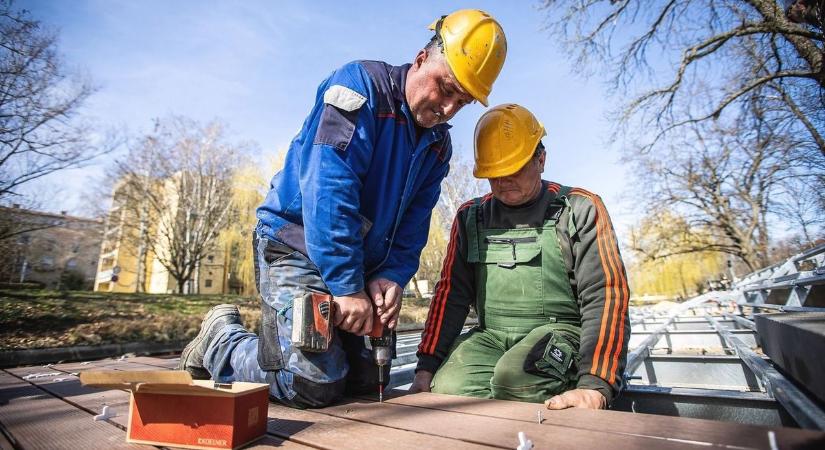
pixel 312 322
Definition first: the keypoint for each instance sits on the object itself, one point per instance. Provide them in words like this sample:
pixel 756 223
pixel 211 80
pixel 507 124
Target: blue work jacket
pixel 359 182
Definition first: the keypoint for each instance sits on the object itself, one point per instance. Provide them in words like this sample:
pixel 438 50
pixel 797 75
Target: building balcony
pixel 104 276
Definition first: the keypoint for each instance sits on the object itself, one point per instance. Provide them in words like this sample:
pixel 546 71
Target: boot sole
pixel 213 314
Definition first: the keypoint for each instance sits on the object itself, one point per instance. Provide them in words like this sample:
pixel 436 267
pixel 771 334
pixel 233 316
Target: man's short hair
pixel 539 150
pixel 435 45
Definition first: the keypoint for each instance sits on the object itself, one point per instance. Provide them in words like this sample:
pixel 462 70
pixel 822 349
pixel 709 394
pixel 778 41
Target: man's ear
pixel 542 160
pixel 420 58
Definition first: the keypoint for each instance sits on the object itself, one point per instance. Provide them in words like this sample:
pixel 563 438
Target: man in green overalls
pixel 540 265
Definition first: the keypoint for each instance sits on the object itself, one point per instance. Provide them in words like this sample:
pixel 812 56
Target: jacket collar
pixel 398 78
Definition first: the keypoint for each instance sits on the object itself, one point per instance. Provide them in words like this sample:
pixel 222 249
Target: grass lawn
pixel 41 319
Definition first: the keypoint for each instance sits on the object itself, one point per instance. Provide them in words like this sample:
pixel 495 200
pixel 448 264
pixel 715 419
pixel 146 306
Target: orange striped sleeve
pixel 442 290
pixel 610 343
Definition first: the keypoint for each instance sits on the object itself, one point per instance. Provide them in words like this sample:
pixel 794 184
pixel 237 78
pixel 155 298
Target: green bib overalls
pixel 526 345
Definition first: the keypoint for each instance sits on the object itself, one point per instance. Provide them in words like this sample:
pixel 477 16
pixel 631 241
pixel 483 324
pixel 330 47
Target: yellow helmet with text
pixel 475 48
pixel 506 138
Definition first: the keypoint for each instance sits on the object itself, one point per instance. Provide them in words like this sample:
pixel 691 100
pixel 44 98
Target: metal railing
pixel 767 286
pixel 804 411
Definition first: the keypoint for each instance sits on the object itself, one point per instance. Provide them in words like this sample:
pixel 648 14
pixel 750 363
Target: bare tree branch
pixel 175 185
pixel 40 128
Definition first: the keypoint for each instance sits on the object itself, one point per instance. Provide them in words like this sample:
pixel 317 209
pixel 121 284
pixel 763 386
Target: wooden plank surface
pixel 403 422
pixel 168 363
pixel 662 427
pixel 321 430
pixel 488 430
pixel 270 442
pixel 92 400
pixel 37 420
pixel 5 444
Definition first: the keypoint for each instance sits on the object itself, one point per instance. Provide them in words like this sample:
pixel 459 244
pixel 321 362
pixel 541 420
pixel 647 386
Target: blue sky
pixel 256 66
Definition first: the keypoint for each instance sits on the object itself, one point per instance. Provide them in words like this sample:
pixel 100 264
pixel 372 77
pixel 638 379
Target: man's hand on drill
pixel 353 313
pixel 386 299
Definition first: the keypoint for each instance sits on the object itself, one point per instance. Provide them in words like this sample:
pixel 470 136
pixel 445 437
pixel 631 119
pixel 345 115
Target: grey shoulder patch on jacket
pixel 337 125
pixel 343 98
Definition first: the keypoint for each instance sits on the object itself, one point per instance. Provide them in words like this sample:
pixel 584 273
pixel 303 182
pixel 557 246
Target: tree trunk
pixel 415 287
pixel 141 257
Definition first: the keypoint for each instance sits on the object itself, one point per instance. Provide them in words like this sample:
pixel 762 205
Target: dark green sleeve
pixel 601 286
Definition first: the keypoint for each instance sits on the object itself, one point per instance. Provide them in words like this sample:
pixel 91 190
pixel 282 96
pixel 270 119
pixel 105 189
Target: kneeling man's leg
pixel 297 378
pixel 469 365
pixel 539 366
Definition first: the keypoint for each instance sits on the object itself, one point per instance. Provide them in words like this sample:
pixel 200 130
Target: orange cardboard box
pixel 169 408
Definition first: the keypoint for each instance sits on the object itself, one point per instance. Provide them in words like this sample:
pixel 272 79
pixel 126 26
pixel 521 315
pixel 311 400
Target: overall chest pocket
pixel 511 268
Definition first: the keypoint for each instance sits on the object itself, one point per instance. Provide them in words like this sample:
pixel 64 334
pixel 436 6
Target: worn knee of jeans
pixel 309 394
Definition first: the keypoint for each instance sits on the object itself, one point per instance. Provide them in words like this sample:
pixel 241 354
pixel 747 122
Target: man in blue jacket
pixel 349 214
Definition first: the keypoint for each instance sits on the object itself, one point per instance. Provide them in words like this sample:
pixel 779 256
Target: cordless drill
pixel 312 322
pixel 312 331
pixel 381 343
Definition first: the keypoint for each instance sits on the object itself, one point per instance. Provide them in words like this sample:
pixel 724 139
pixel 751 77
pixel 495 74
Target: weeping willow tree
pixel 456 189
pixel 671 274
pixel 249 186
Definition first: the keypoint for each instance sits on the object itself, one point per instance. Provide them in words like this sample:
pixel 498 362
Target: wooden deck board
pixel 489 430
pixel 4 442
pixel 89 399
pixel 269 442
pixel 37 420
pixel 662 427
pixel 69 368
pixel 322 430
pixel 29 410
pixel 168 363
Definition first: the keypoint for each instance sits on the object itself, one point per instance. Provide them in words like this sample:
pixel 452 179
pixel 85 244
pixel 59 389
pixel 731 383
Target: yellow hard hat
pixel 505 139
pixel 475 47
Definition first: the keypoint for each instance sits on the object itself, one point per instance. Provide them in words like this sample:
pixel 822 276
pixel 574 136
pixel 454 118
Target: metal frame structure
pixel 795 277
pixel 785 287
pixel 806 413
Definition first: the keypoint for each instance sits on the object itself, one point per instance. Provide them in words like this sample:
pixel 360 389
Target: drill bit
pixel 380 384
pixel 381 340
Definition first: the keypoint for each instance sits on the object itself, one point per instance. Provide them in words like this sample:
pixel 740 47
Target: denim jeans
pixel 296 378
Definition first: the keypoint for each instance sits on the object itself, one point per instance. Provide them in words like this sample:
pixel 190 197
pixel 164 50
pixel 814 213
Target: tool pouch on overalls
pixel 555 355
pixel 312 322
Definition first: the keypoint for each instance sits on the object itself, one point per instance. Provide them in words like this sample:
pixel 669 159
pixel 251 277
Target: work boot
pixel 191 359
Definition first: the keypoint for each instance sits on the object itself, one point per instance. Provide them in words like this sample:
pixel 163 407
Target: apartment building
pixel 127 264
pixel 56 251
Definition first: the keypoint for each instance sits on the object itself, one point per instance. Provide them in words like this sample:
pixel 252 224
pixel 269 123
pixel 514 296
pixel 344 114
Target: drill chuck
pixel 381 354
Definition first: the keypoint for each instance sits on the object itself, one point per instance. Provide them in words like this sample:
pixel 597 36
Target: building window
pixel 210 258
pixel 207 283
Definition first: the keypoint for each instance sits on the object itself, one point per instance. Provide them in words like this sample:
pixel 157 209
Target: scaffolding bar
pixel 637 356
pixel 784 308
pixel 806 413
pixel 741 321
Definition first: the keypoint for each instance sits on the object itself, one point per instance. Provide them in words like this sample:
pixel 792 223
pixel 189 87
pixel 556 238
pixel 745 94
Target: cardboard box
pixel 169 408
